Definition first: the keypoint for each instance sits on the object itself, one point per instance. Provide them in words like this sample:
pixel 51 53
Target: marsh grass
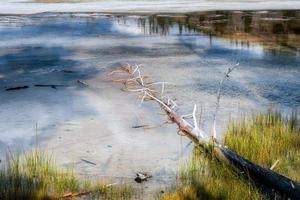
pixel 266 138
pixel 203 177
pixel 263 139
pixel 108 190
pixel 34 175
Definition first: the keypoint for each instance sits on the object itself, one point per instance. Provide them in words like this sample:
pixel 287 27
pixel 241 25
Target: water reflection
pixel 266 43
pixel 275 30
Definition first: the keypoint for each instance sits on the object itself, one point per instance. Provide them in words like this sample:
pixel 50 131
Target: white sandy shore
pixel 143 6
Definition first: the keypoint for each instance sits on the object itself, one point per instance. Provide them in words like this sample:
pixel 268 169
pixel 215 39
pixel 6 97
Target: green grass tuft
pixel 266 138
pixel 263 139
pixel 114 192
pixel 203 177
pixel 34 175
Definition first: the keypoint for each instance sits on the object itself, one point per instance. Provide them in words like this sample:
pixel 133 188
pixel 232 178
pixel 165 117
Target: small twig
pixel 274 165
pixel 158 83
pixel 78 194
pixel 82 82
pixel 143 98
pixel 196 127
pixel 162 89
pixel 89 162
pixel 194 117
pixel 219 97
pixel 135 69
pixel 200 116
pixel 174 104
pixel 180 132
pixel 17 88
pixel 140 126
pixel 188 116
pixel 159 101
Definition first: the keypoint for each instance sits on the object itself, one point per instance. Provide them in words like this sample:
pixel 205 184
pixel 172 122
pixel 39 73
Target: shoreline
pixel 141 7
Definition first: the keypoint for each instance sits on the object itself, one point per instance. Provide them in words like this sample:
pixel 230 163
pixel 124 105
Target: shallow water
pixel 94 123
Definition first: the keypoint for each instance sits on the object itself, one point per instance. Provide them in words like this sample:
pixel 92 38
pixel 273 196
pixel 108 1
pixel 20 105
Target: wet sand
pixel 109 140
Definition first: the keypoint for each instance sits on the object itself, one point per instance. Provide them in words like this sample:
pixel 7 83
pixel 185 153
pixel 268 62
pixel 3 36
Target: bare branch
pixel 194 117
pixel 188 116
pixel 226 76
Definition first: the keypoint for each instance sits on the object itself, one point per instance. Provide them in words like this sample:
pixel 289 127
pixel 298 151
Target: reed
pixel 34 175
pixel 268 140
pixel 203 177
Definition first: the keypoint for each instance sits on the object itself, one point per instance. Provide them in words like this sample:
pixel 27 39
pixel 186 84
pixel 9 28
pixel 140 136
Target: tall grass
pixel 267 138
pixel 34 175
pixel 203 177
pixel 105 190
pixel 263 139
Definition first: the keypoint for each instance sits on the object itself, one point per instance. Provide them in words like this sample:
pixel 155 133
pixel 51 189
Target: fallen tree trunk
pixel 263 176
pixel 267 178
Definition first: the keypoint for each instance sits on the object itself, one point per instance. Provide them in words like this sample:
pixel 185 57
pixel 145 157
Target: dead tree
pixel 133 81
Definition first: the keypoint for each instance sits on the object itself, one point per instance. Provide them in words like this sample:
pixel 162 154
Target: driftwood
pixel 52 86
pixel 139 126
pixel 82 83
pixel 71 195
pixel 17 88
pixel 87 161
pixel 36 85
pixel 133 81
